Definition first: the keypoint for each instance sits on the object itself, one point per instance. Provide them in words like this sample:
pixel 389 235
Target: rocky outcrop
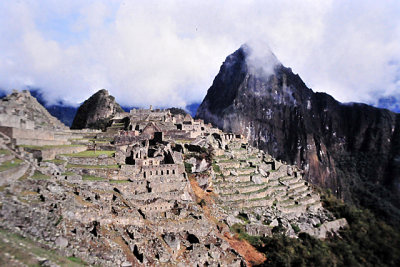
pixel 353 149
pixel 22 110
pixel 96 112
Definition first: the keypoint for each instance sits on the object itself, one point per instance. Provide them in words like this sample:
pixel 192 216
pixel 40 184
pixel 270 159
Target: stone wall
pixel 10 175
pixel 163 170
pixel 50 153
pixel 31 137
pixel 27 133
pixel 91 161
pixel 103 173
pixel 15 121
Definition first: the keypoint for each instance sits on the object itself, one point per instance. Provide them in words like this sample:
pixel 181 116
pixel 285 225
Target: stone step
pixel 308 199
pixel 301 194
pixel 246 196
pixel 108 173
pixel 277 194
pixel 240 189
pixel 297 187
pixel 50 152
pixel 237 179
pixel 285 202
pixel 314 206
pixel 273 182
pixel 253 203
pixel 293 209
pixel 13 173
pixel 289 180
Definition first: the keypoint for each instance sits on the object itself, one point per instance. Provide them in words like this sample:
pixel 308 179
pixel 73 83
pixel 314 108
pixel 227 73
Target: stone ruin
pixel 125 197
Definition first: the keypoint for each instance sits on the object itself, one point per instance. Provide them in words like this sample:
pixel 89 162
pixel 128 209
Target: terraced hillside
pixel 148 192
pixel 254 190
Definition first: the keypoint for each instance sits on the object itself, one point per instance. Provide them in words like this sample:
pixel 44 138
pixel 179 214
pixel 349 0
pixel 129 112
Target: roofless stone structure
pixel 152 189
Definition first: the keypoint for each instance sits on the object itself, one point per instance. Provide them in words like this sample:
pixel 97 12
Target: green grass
pixel 40 176
pixel 27 251
pixel 91 154
pixel 47 147
pixel 295 228
pixel 228 161
pixel 68 173
pixel 256 192
pixel 76 260
pixel 93 178
pixel 92 166
pixel 183 141
pixel 56 161
pixel 4 152
pixel 188 167
pixel 216 168
pixel 10 164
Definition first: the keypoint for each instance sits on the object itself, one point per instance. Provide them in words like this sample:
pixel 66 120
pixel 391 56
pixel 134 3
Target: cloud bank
pixel 167 53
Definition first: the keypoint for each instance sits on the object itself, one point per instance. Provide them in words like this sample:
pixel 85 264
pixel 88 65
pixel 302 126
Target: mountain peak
pixel 103 92
pixel 95 111
pixel 278 113
pixel 23 107
pixel 260 59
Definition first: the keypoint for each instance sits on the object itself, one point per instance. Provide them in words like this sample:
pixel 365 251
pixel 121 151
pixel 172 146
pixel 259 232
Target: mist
pixel 168 53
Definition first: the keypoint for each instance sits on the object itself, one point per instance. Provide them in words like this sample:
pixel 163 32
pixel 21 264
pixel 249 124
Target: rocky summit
pixel 22 111
pixel 352 149
pixel 152 189
pixel 96 112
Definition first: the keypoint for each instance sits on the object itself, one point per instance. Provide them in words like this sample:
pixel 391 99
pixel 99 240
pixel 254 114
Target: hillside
pixel 352 149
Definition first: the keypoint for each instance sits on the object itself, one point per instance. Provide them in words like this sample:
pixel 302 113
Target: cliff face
pixel 96 111
pixel 353 149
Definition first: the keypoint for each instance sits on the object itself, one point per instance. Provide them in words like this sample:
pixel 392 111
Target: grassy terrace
pixel 91 154
pixel 260 198
pixel 10 164
pixel 92 166
pixel 4 152
pixel 286 178
pixel 46 147
pixel 233 184
pixel 247 193
pixel 258 191
pixel 56 161
pixel 40 176
pixel 246 174
pixel 27 252
pixel 69 173
pixel 243 185
pixel 93 178
pixel 228 161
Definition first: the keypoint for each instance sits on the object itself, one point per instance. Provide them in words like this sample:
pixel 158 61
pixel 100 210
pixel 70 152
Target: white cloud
pixel 168 52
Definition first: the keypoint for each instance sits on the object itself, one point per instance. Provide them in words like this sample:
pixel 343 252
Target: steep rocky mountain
pixel 22 108
pixel 352 149
pixel 96 111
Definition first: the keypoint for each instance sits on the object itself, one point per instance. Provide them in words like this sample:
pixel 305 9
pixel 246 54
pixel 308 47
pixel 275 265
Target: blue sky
pixel 167 53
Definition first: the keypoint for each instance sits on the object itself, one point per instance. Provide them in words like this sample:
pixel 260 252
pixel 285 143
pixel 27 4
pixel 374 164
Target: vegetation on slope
pixel 367 242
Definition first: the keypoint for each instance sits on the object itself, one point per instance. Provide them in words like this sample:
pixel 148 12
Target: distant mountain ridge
pixel 353 149
pixel 66 113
